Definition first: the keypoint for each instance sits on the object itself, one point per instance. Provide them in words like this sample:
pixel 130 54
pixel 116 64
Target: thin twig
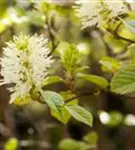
pixel 52 38
pixel 115 34
pixel 120 37
pixel 73 98
pixel 108 47
pixel 79 96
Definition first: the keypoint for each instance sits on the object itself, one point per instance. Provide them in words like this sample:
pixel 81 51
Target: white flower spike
pixel 24 66
pixel 94 12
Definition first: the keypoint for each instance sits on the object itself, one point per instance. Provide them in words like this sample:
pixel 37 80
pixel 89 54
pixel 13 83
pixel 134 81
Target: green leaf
pixel 35 18
pixel 123 81
pixel 3 7
pixel 91 138
pixel 21 100
pixel 70 144
pixel 69 95
pixel 72 102
pixel 131 49
pixel 63 116
pixel 80 114
pixel 100 81
pixel 11 144
pixel 53 99
pixel 69 56
pixel 110 64
pixel 51 80
pixel 116 119
pixel 81 69
pixel 56 104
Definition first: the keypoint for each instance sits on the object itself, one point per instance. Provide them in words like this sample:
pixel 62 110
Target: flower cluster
pixel 24 66
pixel 93 12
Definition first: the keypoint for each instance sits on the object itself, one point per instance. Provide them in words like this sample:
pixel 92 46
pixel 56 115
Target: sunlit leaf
pixel 80 114
pixel 21 100
pixel 70 144
pixel 56 104
pixel 115 118
pixel 69 56
pixel 11 144
pixel 132 52
pixel 91 138
pixel 3 7
pixel 69 95
pixel 82 69
pixel 110 65
pixel 100 81
pixel 123 81
pixel 51 80
pixel 36 18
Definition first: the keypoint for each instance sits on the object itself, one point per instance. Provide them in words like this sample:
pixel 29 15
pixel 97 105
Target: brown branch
pixel 123 38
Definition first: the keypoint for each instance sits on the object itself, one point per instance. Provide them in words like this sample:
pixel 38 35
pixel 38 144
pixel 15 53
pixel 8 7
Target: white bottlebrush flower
pixel 39 58
pixel 117 7
pixel 88 12
pixel 24 65
pixel 92 12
